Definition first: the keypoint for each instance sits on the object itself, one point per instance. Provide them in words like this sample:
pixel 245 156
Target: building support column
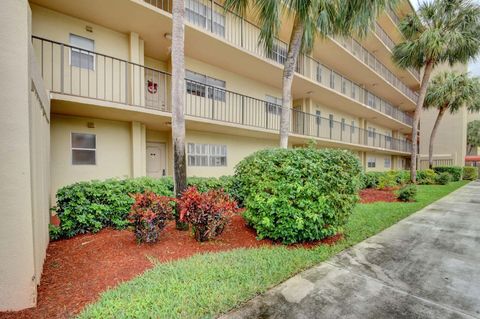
pixel 139 147
pixel 136 75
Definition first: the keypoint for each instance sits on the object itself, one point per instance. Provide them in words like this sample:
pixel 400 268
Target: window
pixel 330 120
pixel 332 80
pixel 354 91
pixel 372 162
pixel 273 104
pixel 278 53
pixel 344 86
pixel 388 137
pixel 343 125
pixel 207 155
pixel 352 128
pixel 78 56
pixel 199 14
pixel 371 100
pixel 199 84
pixel 319 73
pixel 371 132
pixel 387 162
pixel 318 117
pixel 83 149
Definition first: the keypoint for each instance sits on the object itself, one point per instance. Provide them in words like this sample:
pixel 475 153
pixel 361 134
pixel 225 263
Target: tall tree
pixel 473 135
pixel 178 101
pixel 440 31
pixel 449 92
pixel 310 18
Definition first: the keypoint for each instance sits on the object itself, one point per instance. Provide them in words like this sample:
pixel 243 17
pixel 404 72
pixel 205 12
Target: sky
pixel 474 66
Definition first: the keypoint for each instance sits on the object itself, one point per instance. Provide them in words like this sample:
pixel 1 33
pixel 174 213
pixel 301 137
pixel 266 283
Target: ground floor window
pixel 84 148
pixel 387 163
pixel 372 162
pixel 207 154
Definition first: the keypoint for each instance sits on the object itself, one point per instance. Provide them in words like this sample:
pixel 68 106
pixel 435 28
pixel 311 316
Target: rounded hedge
pixel 298 195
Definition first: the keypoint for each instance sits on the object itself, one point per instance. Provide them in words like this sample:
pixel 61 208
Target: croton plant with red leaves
pixel 208 212
pixel 149 214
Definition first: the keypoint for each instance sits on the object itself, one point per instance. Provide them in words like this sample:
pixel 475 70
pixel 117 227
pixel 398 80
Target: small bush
pixel 149 215
pixel 403 177
pixel 298 195
pixel 207 212
pixel 371 179
pixel 387 180
pixel 426 177
pixel 407 193
pixel 455 171
pixel 470 173
pixel 443 178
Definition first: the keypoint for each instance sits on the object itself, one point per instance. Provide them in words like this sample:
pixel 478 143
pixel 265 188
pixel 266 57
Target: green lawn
pixel 206 285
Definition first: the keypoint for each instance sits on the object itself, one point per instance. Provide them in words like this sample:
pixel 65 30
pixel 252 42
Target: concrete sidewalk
pixel 426 266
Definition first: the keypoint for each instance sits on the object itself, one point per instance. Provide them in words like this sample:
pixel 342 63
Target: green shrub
pixel 470 173
pixel 443 178
pixel 455 171
pixel 90 206
pixel 387 180
pixel 297 195
pixel 426 177
pixel 403 177
pixel 407 193
pixel 370 179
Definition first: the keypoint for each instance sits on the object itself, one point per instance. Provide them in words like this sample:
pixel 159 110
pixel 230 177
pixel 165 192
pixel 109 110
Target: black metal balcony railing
pixel 213 17
pixel 73 71
pixel 385 38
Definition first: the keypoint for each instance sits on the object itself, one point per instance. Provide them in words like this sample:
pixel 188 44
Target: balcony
pixel 76 72
pixel 390 44
pixel 241 33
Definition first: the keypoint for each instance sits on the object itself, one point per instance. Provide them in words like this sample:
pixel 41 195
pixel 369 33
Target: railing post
pixel 62 68
pixel 211 15
pixel 213 102
pixel 243 109
pixel 266 115
pixel 126 83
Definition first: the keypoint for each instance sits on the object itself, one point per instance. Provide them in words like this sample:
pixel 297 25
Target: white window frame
pixel 81 51
pixel 387 163
pixel 273 104
pixel 82 148
pixel 210 91
pixel 372 162
pixel 211 159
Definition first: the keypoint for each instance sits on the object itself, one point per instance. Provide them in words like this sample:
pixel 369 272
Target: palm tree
pixel 450 91
pixel 310 18
pixel 440 31
pixel 178 101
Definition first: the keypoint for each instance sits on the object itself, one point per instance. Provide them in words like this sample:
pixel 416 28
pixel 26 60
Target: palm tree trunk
pixel 432 136
pixel 178 102
pixel 416 120
pixel 288 72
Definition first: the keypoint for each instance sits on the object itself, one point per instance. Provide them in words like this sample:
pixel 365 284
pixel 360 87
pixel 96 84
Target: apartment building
pixel 100 75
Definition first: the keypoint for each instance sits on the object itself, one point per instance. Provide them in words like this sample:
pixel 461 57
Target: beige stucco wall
pixel 237 148
pixel 114 150
pixel 24 131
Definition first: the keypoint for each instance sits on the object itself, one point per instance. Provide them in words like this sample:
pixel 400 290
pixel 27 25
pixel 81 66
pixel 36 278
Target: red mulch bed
pixel 371 195
pixel 77 270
